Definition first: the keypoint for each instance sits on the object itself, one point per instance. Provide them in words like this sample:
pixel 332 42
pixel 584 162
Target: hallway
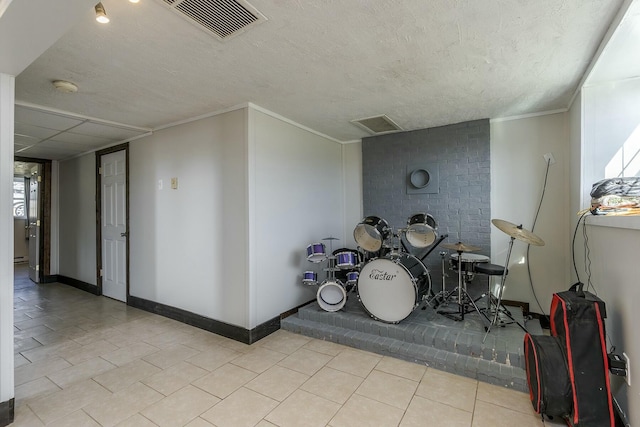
pixel 82 360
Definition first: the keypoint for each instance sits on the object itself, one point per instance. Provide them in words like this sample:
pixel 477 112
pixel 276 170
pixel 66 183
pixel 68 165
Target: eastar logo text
pixel 381 275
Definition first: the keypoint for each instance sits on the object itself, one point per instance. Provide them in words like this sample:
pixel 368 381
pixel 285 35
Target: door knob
pixel 125 234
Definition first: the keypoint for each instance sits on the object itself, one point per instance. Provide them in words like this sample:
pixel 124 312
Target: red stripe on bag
pixel 603 345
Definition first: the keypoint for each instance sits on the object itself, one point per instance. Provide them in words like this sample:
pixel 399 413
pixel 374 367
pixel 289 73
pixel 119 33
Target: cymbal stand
pixel 463 300
pixel 499 305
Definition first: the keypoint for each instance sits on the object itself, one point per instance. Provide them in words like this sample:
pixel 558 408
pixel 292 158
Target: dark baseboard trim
pixel 221 328
pixel 50 279
pixel 84 286
pixel 294 310
pixel 7 412
pixel 524 305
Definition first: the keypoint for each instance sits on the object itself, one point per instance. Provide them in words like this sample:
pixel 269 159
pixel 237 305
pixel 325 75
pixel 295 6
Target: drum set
pixel 390 282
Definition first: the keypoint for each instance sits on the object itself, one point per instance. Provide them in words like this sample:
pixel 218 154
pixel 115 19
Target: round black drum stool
pixel 491 270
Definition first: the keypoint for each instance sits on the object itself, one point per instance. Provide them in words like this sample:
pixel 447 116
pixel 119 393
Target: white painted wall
pixel 188 246
pixel 614 277
pixel 352 170
pixel 598 125
pixel 517 177
pixel 77 219
pixel 296 198
pixel 7 87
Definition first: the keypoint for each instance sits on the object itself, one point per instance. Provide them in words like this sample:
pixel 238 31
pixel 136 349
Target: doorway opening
pixel 32 216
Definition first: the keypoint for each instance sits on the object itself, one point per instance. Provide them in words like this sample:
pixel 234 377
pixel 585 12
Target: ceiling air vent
pixel 222 18
pixel 377 124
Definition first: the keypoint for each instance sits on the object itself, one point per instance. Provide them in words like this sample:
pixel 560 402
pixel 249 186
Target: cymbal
pixel 330 238
pixel 517 232
pixel 461 247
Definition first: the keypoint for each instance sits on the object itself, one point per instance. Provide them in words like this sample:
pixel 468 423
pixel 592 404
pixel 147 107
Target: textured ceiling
pixel 324 63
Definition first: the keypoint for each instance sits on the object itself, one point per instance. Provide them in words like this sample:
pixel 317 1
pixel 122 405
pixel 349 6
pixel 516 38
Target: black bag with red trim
pixel 577 319
pixel 547 375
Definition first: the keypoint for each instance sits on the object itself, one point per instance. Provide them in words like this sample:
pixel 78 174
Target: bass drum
pixel 390 288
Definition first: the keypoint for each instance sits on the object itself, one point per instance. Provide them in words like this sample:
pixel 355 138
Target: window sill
pixel 628 222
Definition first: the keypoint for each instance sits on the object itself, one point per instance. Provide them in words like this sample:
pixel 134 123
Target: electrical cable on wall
pixel 573 245
pixel 535 219
pixel 587 257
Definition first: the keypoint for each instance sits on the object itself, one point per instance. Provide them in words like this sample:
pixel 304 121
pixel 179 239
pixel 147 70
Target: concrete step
pixel 427 338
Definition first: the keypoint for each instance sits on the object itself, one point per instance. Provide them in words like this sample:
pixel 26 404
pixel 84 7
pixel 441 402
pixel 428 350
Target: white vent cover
pixel 377 124
pixel 222 18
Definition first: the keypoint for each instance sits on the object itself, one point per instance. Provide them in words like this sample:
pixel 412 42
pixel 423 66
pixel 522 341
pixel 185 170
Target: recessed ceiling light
pixel 134 1
pixel 65 86
pixel 101 14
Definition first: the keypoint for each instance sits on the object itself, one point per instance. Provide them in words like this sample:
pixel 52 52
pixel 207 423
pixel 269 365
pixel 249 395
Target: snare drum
pixel 371 232
pixel 469 261
pixel 316 252
pixel 421 231
pixel 390 288
pixel 331 295
pixel 310 278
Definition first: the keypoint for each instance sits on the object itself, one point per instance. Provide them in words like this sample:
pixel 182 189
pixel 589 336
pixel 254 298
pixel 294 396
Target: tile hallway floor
pixel 82 360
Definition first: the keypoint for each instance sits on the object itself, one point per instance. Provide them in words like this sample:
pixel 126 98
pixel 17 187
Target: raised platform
pixel 428 338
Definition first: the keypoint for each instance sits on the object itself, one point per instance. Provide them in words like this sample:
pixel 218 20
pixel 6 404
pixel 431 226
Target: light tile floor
pixel 83 360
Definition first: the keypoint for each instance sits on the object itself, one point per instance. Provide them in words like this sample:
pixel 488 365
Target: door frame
pixel 99 155
pixel 44 200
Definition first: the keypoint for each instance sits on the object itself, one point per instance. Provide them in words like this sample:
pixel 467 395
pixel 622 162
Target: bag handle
pixel 578 287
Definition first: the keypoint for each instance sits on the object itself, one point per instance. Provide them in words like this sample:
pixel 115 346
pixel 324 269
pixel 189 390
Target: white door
pixel 33 219
pixel 113 180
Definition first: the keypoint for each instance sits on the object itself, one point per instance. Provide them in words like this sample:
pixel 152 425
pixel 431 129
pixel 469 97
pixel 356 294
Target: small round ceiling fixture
pixel 65 86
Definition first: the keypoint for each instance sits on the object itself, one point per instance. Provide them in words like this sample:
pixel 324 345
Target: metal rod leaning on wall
pixel 434 246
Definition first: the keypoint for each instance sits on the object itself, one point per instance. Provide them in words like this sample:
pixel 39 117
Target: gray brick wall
pixel 461 208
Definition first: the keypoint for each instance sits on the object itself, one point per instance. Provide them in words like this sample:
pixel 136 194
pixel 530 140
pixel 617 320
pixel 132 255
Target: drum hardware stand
pixel 463 300
pixel 331 267
pixel 443 296
pixel 514 231
pixel 499 305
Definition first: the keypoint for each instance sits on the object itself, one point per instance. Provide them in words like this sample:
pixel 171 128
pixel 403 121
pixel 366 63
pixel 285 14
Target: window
pixel 626 161
pixel 19 201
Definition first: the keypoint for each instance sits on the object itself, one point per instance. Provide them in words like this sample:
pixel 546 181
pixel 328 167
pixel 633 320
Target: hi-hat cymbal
pixel 461 247
pixel 330 238
pixel 517 232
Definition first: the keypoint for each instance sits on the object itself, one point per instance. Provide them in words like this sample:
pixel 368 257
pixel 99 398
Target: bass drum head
pixel 386 289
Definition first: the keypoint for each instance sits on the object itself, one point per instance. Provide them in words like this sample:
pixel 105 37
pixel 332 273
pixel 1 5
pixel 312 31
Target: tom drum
pixel 316 252
pixel 371 232
pixel 421 230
